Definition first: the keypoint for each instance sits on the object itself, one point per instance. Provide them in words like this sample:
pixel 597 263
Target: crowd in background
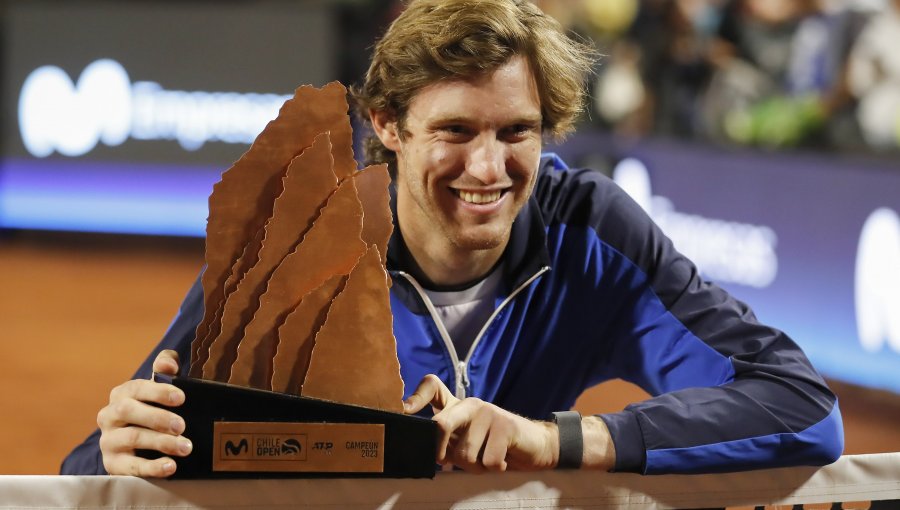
pixel 821 74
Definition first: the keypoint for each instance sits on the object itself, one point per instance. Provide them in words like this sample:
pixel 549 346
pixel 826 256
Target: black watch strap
pixel 571 442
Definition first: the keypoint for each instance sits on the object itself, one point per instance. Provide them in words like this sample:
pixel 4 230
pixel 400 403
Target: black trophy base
pixel 242 432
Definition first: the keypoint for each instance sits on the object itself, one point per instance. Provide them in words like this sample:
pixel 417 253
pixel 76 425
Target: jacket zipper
pixel 460 368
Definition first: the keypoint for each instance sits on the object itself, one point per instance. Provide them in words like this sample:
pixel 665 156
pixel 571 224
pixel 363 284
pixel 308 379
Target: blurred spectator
pixel 678 38
pixel 784 62
pixel 618 90
pixel 618 87
pixel 761 72
pixel 874 78
pixel 769 73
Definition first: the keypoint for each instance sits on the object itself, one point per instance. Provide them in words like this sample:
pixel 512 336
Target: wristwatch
pixel 571 441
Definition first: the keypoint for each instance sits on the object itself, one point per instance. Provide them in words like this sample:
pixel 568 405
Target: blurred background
pixel 762 135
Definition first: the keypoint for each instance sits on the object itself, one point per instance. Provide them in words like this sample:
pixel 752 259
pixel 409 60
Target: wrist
pixel 599 449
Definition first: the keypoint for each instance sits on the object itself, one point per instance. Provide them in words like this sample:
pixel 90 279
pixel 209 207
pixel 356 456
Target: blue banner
pixel 810 242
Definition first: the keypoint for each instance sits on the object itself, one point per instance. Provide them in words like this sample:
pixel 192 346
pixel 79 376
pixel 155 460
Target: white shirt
pixel 465 312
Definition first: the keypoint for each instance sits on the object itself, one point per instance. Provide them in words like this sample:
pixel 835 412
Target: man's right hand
pixel 129 423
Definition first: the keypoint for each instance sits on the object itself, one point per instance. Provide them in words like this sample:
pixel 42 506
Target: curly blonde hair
pixel 435 40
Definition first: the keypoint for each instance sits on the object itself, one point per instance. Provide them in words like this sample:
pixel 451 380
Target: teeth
pixel 479 198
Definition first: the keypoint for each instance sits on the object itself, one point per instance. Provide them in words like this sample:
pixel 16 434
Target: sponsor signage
pixel 298 447
pixel 810 242
pixel 71 118
pixel 122 115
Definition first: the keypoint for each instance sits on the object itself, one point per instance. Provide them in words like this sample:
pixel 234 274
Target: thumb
pixel 430 391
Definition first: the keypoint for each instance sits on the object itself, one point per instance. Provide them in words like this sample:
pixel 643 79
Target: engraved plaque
pixel 298 447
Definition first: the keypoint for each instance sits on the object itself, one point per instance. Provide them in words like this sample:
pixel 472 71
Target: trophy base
pixel 242 432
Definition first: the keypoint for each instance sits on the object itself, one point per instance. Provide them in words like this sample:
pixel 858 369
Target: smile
pixel 476 197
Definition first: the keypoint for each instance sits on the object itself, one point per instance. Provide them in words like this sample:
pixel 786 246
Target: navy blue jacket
pixel 592 291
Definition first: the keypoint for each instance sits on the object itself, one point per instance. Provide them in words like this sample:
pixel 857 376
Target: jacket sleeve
pixel 728 393
pixel 86 458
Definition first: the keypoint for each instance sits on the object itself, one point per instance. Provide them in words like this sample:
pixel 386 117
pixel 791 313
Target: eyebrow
pixel 459 119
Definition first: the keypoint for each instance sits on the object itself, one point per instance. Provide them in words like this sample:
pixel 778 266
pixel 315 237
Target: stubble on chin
pixel 475 240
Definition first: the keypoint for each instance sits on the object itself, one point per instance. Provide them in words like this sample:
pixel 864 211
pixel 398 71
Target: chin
pixel 481 241
pixel 478 244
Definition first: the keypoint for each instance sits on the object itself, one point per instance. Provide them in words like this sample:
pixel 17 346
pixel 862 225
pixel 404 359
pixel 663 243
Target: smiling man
pixel 519 283
pixel 468 154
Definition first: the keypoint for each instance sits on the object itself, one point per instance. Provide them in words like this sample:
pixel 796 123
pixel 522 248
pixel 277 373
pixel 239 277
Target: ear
pixel 385 126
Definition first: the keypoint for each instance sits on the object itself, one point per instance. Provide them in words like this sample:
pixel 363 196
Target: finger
pixel 126 440
pixel 132 412
pixel 431 390
pixel 457 455
pixel 451 421
pixel 495 448
pixel 136 466
pixel 118 448
pixel 471 442
pixel 445 435
pixel 166 362
pixel 147 391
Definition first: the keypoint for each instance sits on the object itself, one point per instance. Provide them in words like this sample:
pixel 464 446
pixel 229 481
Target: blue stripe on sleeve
pixel 670 356
pixel 819 444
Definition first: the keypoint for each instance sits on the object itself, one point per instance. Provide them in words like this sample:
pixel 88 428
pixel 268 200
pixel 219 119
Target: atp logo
pixel 878 281
pixel 234 450
pixel 104 106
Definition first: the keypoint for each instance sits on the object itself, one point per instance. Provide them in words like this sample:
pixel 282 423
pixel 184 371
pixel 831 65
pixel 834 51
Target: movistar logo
pixel 878 281
pixel 104 106
pixel 236 449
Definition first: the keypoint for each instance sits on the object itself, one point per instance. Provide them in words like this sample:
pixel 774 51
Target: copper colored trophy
pixel 294 368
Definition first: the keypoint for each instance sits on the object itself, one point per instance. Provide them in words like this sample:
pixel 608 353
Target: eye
pixel 519 131
pixel 454 132
pixel 454 129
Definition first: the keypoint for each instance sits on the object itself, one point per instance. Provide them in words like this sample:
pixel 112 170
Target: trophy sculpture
pixel 294 368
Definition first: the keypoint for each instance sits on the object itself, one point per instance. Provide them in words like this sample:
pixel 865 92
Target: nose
pixel 486 160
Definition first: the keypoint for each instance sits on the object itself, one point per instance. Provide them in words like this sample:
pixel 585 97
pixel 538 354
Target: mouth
pixel 478 197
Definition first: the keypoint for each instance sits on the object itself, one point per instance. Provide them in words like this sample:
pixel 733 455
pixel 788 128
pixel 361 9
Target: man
pixel 519 283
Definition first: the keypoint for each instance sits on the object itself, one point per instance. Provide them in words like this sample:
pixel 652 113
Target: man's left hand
pixel 478 436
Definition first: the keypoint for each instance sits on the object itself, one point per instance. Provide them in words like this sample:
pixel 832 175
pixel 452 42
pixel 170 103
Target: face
pixel 467 159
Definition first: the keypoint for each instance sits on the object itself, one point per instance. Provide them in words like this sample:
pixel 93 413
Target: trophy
pixel 294 368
